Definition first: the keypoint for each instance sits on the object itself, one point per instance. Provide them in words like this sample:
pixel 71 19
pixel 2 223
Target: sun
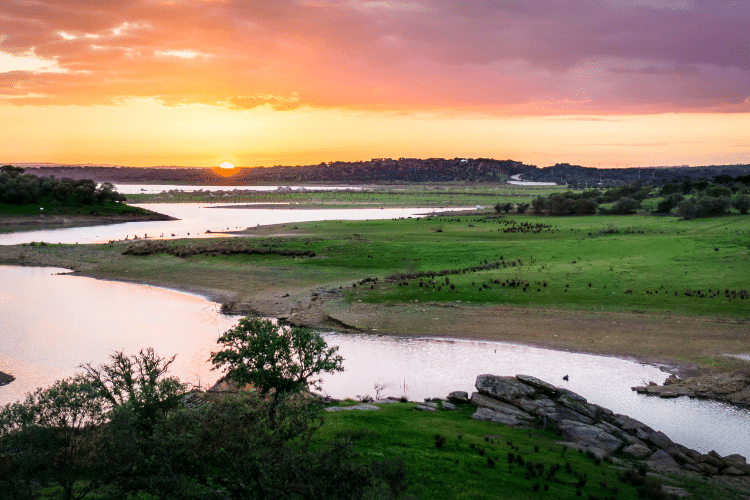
pixel 226 165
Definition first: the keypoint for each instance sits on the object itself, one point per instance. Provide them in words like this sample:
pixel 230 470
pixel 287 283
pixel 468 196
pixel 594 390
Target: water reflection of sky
pixel 195 219
pixel 50 323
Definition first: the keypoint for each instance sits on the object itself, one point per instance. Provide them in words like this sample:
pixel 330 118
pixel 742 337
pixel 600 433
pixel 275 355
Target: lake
pixel 50 323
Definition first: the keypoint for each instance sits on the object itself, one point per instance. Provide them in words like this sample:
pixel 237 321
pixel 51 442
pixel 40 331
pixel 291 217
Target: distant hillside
pixel 402 170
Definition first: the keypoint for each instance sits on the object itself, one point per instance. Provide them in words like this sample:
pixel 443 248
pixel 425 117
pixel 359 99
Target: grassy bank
pixel 422 195
pixel 473 461
pixel 654 287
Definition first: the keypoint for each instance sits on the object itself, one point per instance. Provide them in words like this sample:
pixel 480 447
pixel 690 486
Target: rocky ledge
pixel 526 401
pixel 728 387
pixel 6 378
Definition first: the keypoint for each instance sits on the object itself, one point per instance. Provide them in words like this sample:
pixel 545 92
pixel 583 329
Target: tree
pixel 268 356
pixel 138 382
pixel 47 438
pixel 742 203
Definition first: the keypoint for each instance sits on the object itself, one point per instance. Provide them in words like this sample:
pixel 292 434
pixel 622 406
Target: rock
pixel 577 405
pixel 361 406
pixel 560 413
pixel 711 460
pixel 482 401
pixel 488 415
pixel 448 405
pixel 506 389
pixel 708 469
pixel 661 460
pixel 637 450
pixel 597 452
pixel 459 397
pixel 589 435
pixel 732 471
pixel 539 384
pixel 675 491
pixel 628 424
pixel 608 428
pixel 535 405
pixel 668 395
pixel 426 407
pixel 734 459
pixel 423 407
pixel 660 440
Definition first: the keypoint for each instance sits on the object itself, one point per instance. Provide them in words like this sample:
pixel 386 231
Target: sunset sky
pixel 199 82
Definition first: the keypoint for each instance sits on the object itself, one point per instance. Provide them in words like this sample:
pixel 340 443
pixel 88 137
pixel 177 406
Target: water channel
pixel 50 323
pixel 197 219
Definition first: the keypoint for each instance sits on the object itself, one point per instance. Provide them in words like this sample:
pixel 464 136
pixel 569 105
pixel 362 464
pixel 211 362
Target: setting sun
pixel 226 164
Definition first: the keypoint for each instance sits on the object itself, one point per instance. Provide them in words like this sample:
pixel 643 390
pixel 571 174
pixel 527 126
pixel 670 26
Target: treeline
pixel 361 172
pixel 20 188
pixel 387 170
pixel 689 199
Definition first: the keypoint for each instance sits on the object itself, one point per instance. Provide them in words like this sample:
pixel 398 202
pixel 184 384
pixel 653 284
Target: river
pixel 50 323
pixel 204 220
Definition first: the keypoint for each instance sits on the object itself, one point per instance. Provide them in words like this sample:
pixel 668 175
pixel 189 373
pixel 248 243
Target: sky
pixel 599 83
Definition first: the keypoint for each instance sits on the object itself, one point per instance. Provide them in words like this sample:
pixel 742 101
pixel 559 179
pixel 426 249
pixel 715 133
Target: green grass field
pixel 463 468
pixel 613 263
pixel 427 195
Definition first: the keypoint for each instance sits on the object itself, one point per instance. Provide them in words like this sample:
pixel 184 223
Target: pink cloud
pixel 506 56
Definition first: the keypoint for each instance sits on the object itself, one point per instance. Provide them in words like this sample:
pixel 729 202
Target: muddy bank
pixel 10 223
pixel 670 343
pixel 6 379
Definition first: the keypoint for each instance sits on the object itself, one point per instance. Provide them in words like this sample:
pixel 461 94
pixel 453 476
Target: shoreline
pixel 323 312
pixel 13 223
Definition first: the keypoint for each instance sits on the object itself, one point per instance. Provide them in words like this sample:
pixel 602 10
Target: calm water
pixel 197 218
pixel 158 188
pixel 51 323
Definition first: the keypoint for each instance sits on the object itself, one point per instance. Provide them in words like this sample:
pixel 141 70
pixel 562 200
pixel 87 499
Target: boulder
pixel 589 435
pixel 426 407
pixel 577 405
pixel 637 450
pixel 559 413
pixel 735 459
pixel 732 471
pixel 361 406
pixel 488 415
pixel 661 460
pixel 507 389
pixel 448 405
pixel 660 440
pixel 539 384
pixel 482 401
pixel 459 397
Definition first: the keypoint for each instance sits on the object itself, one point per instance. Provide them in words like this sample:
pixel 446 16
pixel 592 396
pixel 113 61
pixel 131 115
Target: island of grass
pixel 656 288
pixel 30 202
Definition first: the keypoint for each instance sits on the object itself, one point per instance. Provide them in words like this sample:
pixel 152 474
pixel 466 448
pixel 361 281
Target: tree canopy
pixel 268 356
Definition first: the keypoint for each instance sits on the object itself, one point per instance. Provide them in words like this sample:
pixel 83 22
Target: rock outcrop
pixel 6 378
pixel 529 402
pixel 729 387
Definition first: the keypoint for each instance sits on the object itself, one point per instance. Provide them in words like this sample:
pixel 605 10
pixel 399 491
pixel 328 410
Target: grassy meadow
pixel 426 195
pixel 473 462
